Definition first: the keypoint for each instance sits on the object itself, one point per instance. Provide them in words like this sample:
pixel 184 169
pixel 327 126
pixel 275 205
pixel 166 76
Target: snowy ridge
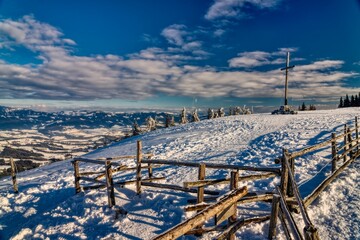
pixel 47 207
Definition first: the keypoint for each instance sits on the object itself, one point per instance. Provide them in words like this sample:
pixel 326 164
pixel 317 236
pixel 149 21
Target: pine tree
pixel 341 104
pixel 352 101
pixel 303 107
pixel 347 101
pixel 357 103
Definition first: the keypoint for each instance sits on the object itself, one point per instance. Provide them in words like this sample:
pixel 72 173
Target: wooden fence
pixel 344 150
pixel 285 200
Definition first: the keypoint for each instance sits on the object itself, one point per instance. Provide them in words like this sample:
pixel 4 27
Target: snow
pixel 47 208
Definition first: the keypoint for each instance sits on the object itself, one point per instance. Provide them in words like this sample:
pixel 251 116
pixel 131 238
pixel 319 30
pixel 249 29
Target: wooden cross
pixel 286 75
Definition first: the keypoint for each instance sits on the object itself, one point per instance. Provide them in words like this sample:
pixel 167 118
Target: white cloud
pixel 260 58
pixel 175 34
pixel 236 8
pixel 152 71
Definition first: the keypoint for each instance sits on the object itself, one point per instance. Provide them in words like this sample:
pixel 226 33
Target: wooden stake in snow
pixel 13 175
pixel 138 167
pixel 357 133
pixel 76 176
pixel 109 184
pixel 333 152
pixel 345 142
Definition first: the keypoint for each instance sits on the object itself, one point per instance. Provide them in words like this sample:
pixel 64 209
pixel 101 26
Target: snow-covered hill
pixel 46 207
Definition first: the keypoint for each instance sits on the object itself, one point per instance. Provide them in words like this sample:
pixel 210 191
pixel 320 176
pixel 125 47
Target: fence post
pixel 201 176
pixel 284 174
pixel 138 167
pixel 350 143
pixel 357 133
pixel 290 190
pixel 109 184
pixel 273 216
pixel 234 184
pixel 345 142
pixel 150 170
pixel 13 175
pixel 333 152
pixel 76 176
pixel 200 190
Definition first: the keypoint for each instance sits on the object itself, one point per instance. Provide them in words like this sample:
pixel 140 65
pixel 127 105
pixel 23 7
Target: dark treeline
pixel 353 101
pixel 303 107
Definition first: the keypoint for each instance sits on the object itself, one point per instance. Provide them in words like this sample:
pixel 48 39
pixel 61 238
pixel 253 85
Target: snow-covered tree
pixel 221 112
pixel 136 129
pixel 183 117
pixel 195 117
pixel 169 121
pixel 210 113
pixel 151 124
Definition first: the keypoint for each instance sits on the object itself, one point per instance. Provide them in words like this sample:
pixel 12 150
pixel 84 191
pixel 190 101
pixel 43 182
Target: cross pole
pixel 286 75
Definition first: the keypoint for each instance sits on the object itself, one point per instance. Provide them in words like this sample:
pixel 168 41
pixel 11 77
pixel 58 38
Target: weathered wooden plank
pixel 13 175
pixel 333 152
pixel 129 182
pixel 76 176
pixel 258 198
pixel 357 133
pixel 274 216
pixel 201 176
pixel 297 195
pixel 213 165
pixel 284 174
pixel 138 165
pixel 110 184
pixel 289 217
pixel 125 157
pixel 176 188
pixel 203 216
pixel 87 160
pixel 346 147
pixel 209 182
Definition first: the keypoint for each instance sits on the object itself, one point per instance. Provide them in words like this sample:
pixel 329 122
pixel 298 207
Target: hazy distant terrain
pixel 37 138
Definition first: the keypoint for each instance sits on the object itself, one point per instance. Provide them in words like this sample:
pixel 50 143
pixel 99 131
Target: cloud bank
pixel 62 75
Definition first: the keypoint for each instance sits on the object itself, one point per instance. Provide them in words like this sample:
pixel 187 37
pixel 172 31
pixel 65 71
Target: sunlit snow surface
pixel 47 207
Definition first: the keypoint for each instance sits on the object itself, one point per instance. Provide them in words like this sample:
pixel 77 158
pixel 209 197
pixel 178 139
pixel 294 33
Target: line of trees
pixel 303 107
pixel 353 101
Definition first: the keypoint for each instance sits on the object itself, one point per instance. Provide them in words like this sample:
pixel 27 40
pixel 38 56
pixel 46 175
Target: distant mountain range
pixel 14 118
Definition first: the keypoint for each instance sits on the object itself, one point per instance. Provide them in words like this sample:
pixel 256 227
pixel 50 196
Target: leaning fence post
pixel 234 184
pixel 333 152
pixel 345 142
pixel 357 133
pixel 138 167
pixel 350 143
pixel 290 190
pixel 13 175
pixel 284 174
pixel 273 216
pixel 76 176
pixel 109 184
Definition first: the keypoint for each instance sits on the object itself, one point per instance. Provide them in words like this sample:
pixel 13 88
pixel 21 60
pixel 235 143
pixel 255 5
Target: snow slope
pixel 46 207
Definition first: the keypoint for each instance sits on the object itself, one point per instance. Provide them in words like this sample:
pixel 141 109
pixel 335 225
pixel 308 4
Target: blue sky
pixel 174 53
